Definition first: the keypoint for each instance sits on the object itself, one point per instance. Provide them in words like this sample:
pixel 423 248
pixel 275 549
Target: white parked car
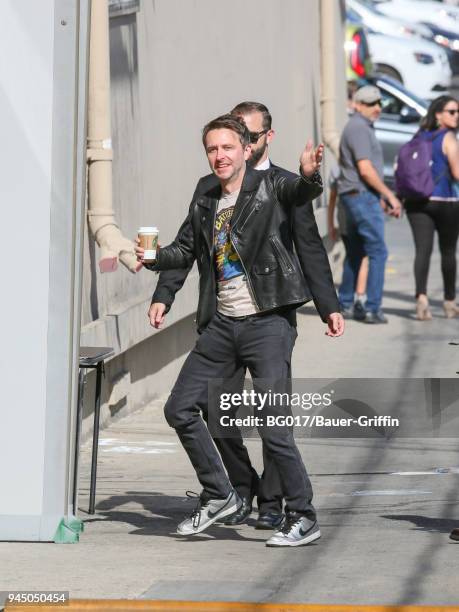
pixel 378 22
pixel 421 66
pixel 421 11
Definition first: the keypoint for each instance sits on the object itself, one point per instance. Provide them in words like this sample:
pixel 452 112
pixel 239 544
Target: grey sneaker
pixel 297 530
pixel 207 512
pixel 347 312
pixel 375 318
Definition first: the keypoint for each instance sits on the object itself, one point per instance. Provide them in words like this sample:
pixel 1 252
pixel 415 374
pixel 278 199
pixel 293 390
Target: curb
pixel 128 605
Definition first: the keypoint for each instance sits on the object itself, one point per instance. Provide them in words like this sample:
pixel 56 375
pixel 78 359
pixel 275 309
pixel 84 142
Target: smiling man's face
pixel 226 155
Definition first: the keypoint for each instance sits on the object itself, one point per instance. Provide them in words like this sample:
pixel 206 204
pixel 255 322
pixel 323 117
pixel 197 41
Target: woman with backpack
pixel 439 211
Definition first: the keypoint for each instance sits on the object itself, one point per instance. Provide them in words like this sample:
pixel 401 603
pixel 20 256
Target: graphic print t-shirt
pixel 234 298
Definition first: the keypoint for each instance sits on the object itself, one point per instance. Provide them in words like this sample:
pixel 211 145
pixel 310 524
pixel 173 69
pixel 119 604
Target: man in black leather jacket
pixel 240 235
pixel 232 449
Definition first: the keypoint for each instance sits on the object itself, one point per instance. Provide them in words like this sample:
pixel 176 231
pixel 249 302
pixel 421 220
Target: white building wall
pixel 41 104
pixel 27 68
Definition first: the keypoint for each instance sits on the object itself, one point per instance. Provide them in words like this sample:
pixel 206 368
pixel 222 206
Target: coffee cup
pixel 148 239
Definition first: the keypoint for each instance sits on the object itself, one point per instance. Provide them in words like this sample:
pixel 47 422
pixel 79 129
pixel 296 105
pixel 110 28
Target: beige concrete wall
pixel 174 65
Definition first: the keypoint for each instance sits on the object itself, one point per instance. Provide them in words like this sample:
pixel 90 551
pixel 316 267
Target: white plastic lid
pixel 147 230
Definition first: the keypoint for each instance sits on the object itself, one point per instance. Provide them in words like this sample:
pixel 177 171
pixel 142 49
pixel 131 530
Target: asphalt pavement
pixel 385 504
pixel 385 511
pixel 405 347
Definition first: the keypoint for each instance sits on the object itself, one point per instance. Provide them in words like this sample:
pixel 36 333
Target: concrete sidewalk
pixel 385 535
pixel 385 507
pixel 405 348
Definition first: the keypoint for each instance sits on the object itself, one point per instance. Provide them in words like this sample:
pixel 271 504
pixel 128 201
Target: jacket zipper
pixel 247 218
pixel 213 232
pixel 212 248
pixel 285 263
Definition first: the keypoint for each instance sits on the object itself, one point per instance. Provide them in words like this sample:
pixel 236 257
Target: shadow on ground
pixel 425 523
pixel 165 512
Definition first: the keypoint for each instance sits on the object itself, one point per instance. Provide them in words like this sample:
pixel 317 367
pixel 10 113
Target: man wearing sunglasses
pixel 232 450
pixel 364 196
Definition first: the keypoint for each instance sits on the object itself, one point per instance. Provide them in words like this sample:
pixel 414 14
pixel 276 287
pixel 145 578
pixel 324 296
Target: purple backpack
pixel 413 173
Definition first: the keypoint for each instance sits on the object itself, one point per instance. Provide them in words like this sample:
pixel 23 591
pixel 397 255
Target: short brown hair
pixel 245 108
pixel 228 122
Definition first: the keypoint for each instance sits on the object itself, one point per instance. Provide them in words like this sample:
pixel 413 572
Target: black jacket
pixel 273 210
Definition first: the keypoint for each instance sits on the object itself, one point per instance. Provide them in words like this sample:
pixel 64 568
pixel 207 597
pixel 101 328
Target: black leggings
pixel 425 218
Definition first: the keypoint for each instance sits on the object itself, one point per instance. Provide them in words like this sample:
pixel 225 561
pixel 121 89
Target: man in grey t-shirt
pixel 361 189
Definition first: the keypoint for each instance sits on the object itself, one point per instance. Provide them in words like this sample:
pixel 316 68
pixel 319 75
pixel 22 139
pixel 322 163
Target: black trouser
pixel 241 473
pixel 264 345
pixel 270 486
pixel 425 218
pixel 233 452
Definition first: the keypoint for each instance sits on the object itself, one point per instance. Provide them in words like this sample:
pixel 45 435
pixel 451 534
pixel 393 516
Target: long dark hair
pixel 429 122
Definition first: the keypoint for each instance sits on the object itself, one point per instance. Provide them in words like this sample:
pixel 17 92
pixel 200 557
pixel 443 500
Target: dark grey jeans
pixel 264 345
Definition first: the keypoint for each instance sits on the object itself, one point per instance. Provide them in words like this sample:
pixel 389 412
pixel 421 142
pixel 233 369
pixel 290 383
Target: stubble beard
pixel 257 154
pixel 233 176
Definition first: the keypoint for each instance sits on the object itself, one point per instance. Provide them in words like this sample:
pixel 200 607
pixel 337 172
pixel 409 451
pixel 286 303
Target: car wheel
pixel 388 71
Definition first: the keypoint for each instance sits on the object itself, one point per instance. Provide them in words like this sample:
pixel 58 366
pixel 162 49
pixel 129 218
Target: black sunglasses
pixel 254 136
pixel 372 103
pixel 451 111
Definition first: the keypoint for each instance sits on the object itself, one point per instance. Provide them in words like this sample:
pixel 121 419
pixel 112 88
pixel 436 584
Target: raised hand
pixel 311 158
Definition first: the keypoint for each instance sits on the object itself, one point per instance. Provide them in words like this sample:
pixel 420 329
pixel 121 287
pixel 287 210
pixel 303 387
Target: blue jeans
pixel 365 236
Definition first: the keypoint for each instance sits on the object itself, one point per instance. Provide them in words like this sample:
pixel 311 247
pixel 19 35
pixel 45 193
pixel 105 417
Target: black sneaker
pixel 207 512
pixel 297 530
pixel 269 520
pixel 359 311
pixel 454 535
pixel 241 515
pixel 375 318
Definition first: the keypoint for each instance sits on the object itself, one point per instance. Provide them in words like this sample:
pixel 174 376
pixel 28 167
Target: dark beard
pixel 256 156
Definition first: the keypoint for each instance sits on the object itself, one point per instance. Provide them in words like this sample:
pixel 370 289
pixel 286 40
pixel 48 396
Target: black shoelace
pixel 196 514
pixel 289 523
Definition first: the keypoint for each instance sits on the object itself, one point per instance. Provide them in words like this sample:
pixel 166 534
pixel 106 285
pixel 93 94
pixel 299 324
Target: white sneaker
pixel 297 530
pixel 207 512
